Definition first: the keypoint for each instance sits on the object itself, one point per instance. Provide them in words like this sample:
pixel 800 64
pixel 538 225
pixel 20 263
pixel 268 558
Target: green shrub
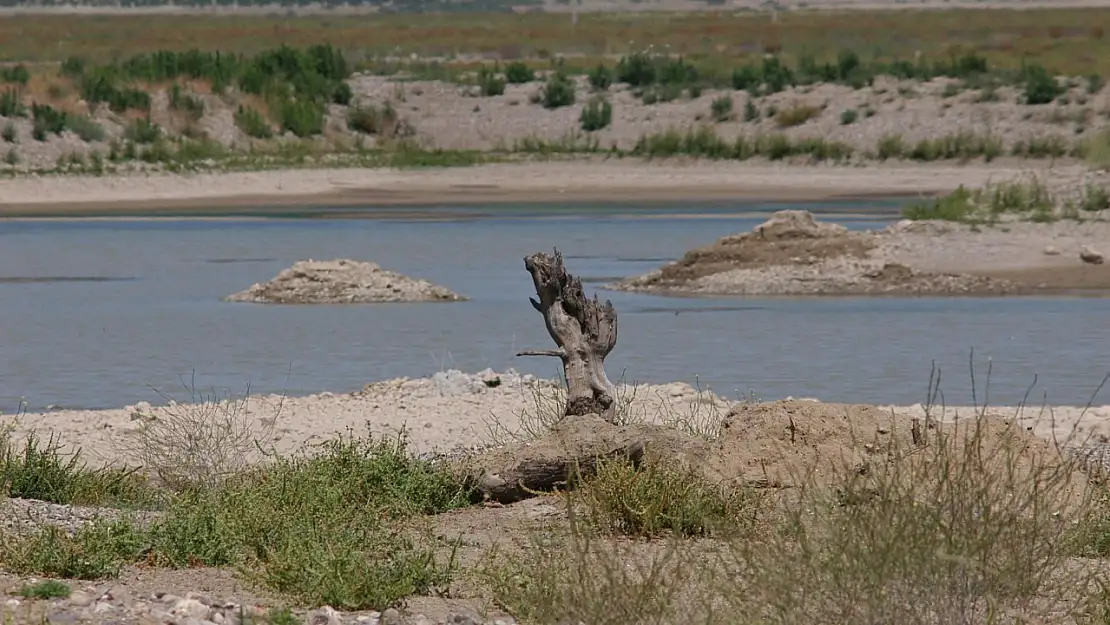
pixel 8 133
pixel 849 117
pixel 85 127
pixel 597 114
pixel 342 94
pixel 142 131
pixel 600 78
pixel 489 83
pixel 518 73
pixel 11 104
pixel 46 120
pixel 558 91
pixel 252 123
pixel 1039 85
pixel 300 117
pixel 751 113
pixel 721 108
pixel 15 74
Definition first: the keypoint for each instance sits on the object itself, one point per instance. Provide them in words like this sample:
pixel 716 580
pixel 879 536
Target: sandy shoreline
pixel 214 194
pixel 453 412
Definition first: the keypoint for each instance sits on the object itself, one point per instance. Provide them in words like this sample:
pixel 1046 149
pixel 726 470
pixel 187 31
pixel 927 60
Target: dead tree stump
pixel 585 331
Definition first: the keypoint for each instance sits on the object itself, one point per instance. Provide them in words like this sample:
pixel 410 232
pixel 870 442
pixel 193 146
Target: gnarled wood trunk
pixel 585 331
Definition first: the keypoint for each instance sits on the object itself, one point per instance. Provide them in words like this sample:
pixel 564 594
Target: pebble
pixel 116 607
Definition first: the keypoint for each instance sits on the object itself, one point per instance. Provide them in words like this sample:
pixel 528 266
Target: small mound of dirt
pixel 342 281
pixel 777 442
pixel 789 237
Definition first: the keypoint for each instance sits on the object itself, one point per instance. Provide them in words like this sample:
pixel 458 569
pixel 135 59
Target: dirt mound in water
pixel 790 237
pixel 342 281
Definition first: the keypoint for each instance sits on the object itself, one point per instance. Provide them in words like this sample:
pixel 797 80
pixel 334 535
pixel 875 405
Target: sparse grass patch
pixel 48 589
pixel 661 496
pixel 703 142
pixel 1028 198
pixel 597 114
pixel 489 82
pixel 42 470
pixel 796 115
pixel 721 108
pixel 85 127
pixel 252 123
pixel 142 131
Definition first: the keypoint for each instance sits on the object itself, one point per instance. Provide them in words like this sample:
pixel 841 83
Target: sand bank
pixel 214 194
pixel 455 412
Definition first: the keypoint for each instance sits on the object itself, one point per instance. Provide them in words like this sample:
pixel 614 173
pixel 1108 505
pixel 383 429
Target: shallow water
pixel 99 313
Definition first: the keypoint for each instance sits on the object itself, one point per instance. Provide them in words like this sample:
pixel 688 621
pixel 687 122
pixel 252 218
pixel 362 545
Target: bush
pixel 142 131
pixel 796 115
pixel 1040 86
pixel 597 114
pixel 849 117
pixel 16 74
pixel 373 120
pixel 47 120
pixel 657 498
pixel 518 73
pixel 44 472
pixel 558 91
pixel 489 83
pixel 11 104
pixel 600 78
pixel 252 123
pixel 300 117
pixel 342 95
pixel 721 108
pixel 8 134
pixel 85 127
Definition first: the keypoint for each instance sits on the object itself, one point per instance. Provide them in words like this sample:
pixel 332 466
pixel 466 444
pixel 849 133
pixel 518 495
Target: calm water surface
pixel 97 313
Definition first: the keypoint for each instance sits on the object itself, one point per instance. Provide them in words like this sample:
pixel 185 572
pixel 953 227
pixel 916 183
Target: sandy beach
pixel 208 194
pixel 455 413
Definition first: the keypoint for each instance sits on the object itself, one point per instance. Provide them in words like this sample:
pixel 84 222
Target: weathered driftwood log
pixel 571 451
pixel 585 331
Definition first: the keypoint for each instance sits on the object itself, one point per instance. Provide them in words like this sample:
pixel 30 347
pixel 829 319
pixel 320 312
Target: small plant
pixel 655 498
pixel 8 133
pixel 518 73
pixel 49 589
pixel 849 117
pixel 558 91
pixel 373 120
pixel 721 108
pixel 890 146
pixel 489 83
pixel 252 123
pixel 597 114
pixel 12 157
pixel 600 78
pixel 1040 86
pixel 796 115
pixel 11 105
pixel 956 206
pixel 1095 198
pixel 342 95
pixel 751 113
pixel 84 126
pixel 142 131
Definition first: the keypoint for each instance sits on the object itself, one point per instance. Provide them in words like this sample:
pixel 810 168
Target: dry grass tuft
pixel 201 442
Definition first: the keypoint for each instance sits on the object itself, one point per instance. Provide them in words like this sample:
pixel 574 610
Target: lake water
pixel 102 312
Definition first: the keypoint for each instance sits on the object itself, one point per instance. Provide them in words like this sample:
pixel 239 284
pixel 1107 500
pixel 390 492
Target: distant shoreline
pixel 418 193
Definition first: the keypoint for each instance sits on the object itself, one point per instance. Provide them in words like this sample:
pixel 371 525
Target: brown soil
pixel 1070 278
pixel 752 251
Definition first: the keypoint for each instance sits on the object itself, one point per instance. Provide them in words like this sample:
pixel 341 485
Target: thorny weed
pixel 200 443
